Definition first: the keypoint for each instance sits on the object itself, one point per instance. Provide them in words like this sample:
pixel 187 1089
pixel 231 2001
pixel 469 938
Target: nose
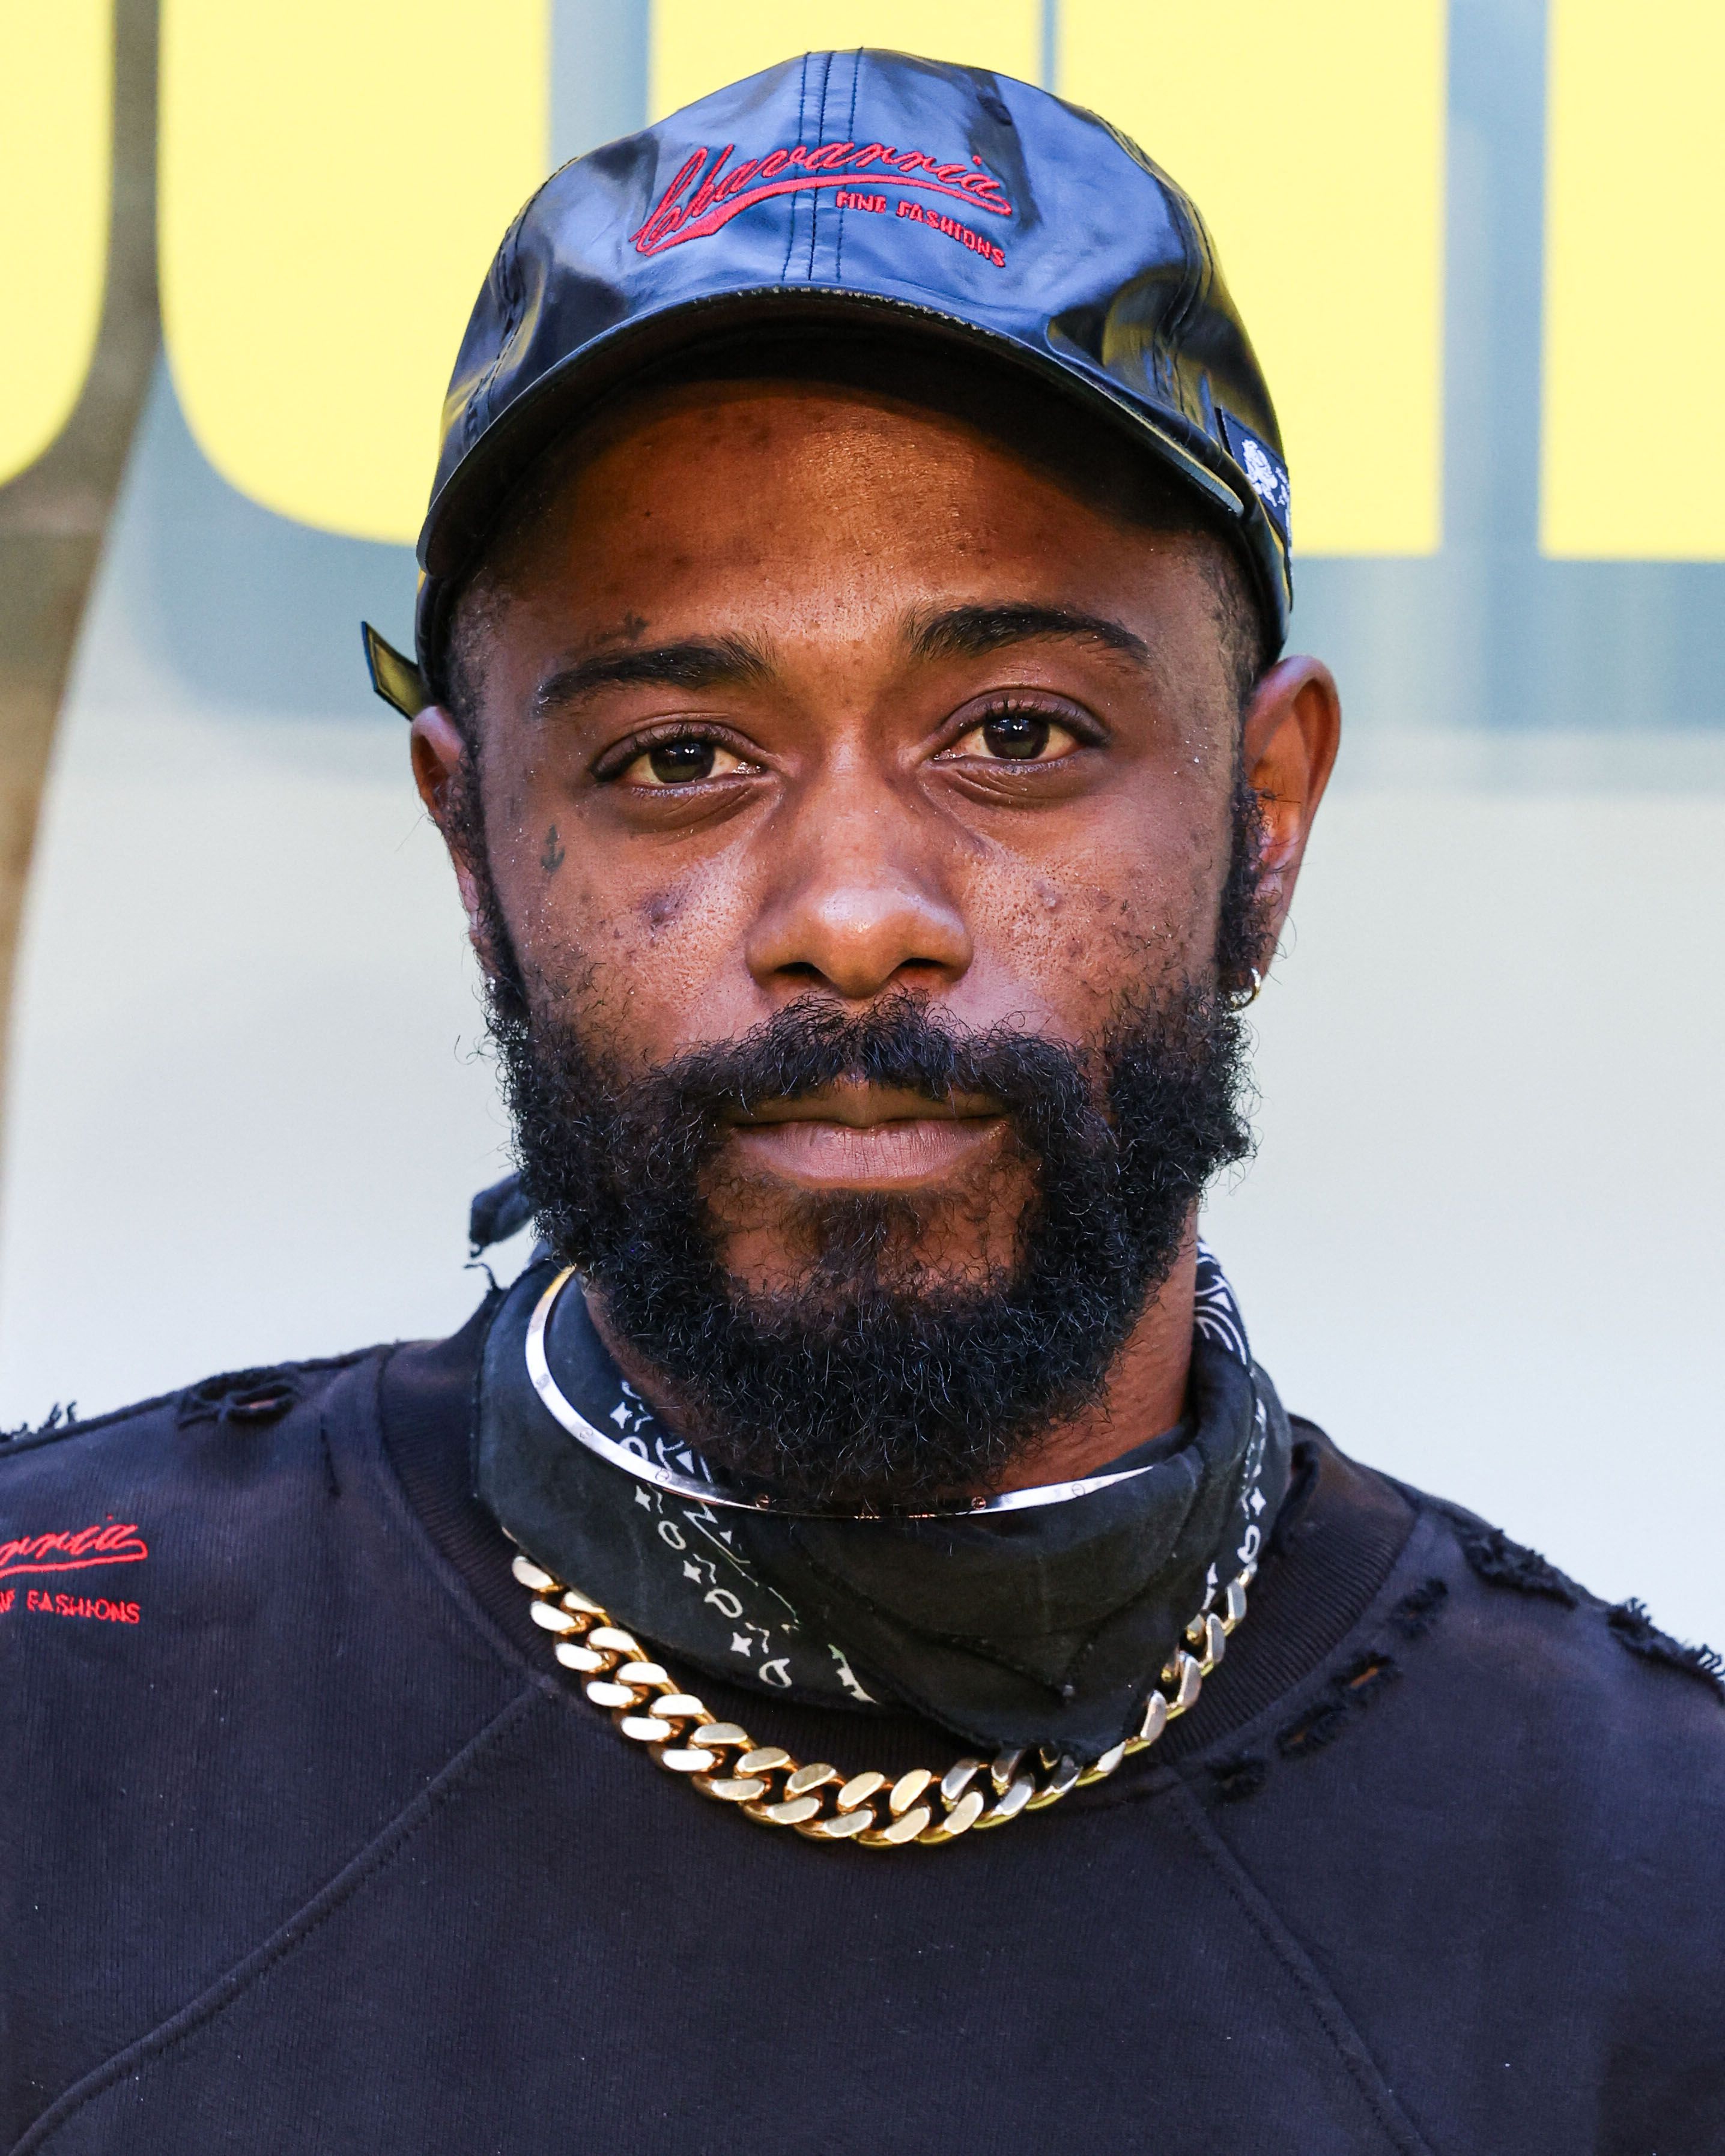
pixel 861 900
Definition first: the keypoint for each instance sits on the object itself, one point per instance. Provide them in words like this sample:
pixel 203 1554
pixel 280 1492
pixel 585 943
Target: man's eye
pixel 1018 737
pixel 681 763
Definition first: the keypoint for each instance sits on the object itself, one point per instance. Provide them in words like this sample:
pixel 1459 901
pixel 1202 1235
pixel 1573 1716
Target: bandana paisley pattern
pixel 742 1596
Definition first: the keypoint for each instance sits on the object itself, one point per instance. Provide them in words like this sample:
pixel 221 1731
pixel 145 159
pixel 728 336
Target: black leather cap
pixel 924 198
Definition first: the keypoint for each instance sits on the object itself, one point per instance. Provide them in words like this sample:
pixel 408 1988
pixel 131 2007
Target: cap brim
pixel 466 507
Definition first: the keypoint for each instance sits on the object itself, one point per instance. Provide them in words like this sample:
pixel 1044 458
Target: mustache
pixel 809 1046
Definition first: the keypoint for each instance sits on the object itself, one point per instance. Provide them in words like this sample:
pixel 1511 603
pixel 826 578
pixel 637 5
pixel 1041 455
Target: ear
pixel 1292 729
pixel 441 771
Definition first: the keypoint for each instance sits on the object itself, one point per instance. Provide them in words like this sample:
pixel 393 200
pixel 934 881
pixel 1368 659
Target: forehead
pixel 802 457
pixel 769 491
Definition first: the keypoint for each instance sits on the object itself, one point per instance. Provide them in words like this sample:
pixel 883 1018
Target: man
pixel 847 682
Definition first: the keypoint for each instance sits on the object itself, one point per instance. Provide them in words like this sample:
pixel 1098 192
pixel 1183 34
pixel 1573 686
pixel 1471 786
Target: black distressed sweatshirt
pixel 307 1844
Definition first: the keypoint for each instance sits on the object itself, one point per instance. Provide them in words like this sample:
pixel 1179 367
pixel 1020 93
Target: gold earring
pixel 1241 999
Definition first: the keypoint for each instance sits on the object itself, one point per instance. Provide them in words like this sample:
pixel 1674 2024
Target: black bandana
pixel 1047 1625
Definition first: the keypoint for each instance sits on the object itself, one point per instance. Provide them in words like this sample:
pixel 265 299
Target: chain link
pixel 652 1709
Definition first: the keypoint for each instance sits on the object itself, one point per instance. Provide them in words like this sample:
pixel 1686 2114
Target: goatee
pixel 865 1377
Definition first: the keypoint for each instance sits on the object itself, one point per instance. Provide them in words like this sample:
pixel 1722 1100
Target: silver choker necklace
pixel 707 1492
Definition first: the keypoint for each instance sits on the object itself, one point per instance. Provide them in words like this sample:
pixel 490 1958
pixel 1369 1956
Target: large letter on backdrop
pixel 1633 451
pixel 697 46
pixel 1311 134
pixel 56 155
pixel 334 176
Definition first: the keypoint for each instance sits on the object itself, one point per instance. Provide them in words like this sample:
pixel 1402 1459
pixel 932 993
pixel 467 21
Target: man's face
pixel 801 699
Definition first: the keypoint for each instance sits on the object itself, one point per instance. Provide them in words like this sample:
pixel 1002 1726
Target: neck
pixel 1145 1393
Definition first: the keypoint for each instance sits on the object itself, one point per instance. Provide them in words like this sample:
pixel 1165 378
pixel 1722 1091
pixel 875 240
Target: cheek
pixel 1139 908
pixel 656 959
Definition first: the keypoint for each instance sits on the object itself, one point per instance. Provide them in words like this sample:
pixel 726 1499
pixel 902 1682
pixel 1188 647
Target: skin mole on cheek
pixel 662 907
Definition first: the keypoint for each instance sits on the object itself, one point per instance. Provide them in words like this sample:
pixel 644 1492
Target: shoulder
pixel 230 1657
pixel 1536 1707
pixel 1570 1746
pixel 1556 1650
pixel 1504 1794
pixel 1458 1602
pixel 1473 1660
pixel 140 1548
pixel 85 1506
pixel 198 1531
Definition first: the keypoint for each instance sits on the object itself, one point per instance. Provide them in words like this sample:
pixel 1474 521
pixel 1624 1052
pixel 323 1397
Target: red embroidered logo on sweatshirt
pixel 48 1605
pixel 74 1549
pixel 704 197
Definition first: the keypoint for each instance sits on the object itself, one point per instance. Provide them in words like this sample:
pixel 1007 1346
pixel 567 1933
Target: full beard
pixel 864 1374
pixel 866 1378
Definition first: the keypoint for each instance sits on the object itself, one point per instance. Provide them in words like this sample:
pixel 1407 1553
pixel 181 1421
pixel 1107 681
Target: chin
pixel 832 1247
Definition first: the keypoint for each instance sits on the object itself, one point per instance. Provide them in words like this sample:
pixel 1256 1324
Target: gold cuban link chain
pixel 723 1762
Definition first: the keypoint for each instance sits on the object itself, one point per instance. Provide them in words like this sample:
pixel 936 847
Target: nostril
pixel 857 935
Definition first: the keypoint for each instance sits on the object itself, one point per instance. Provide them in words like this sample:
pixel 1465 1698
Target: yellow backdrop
pixel 335 178
pixel 335 175
pixel 1312 137
pixel 56 138
pixel 697 47
pixel 1634 441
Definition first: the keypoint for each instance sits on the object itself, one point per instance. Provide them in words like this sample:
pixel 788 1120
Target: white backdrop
pixel 1479 1243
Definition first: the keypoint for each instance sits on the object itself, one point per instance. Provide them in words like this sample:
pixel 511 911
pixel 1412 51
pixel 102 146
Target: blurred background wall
pixel 1480 248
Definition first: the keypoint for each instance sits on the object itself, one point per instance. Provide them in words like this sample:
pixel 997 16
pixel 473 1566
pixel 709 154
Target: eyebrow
pixel 973 631
pixel 964 632
pixel 695 663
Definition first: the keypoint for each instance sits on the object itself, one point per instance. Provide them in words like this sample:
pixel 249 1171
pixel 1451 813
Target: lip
pixel 866 1137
